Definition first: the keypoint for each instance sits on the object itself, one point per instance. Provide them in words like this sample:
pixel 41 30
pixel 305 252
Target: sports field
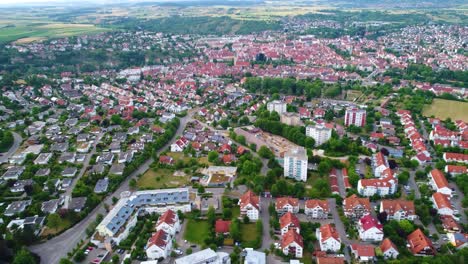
pixel 443 109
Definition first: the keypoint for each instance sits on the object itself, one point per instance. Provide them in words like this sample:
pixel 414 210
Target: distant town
pixel 321 142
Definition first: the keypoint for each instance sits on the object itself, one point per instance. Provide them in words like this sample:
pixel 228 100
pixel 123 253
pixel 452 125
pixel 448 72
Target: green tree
pixel 24 257
pixel 79 256
pixel 265 152
pixel 212 156
pixel 211 216
pixel 53 221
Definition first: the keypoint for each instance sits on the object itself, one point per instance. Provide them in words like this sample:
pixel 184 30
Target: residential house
pixel 222 226
pixel 419 244
pixel 355 207
pixel 289 222
pixel 363 253
pixel 250 205
pixel 169 223
pixel 398 209
pixel 442 204
pixel 370 229
pixel 328 238
pixel 389 250
pixel 316 209
pixel 292 244
pixel 159 245
pixel 439 183
pixel 287 204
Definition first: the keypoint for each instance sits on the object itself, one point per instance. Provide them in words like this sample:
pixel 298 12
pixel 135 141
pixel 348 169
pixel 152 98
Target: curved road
pixel 16 144
pixel 56 248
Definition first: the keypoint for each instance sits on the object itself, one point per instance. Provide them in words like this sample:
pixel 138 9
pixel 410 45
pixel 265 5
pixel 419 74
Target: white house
pixel 370 229
pixel 250 205
pixel 159 245
pixel 316 209
pixel 329 238
pixel 439 183
pixel 389 250
pixel 292 244
pixel 169 223
pixel 442 204
pixel 289 222
pixel 398 209
pixel 179 145
pixel 287 204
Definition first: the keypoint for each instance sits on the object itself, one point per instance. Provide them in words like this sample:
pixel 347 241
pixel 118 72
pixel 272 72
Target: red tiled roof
pixel 387 244
pixel 222 226
pixel 363 250
pixel 418 242
pixel 368 221
pixel 313 203
pixel 289 219
pixel 169 217
pixel 159 239
pixel 249 198
pixel 327 231
pixel 282 201
pixel 290 237
pixel 439 179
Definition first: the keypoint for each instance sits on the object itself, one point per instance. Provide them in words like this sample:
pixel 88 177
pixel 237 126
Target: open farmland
pixel 443 109
pixel 27 32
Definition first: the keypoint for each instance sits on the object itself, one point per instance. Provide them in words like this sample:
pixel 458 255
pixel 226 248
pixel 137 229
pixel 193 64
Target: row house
pixel 442 204
pixel 439 183
pixel 455 169
pixel 455 157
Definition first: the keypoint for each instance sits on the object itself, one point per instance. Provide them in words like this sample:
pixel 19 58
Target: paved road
pixel 16 144
pixel 340 227
pixel 85 165
pixel 265 216
pixel 53 250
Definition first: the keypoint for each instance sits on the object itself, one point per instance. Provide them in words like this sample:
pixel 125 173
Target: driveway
pixel 54 249
pixel 16 144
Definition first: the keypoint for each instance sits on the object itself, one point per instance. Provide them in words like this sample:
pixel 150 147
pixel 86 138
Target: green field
pixel 25 32
pixel 443 109
pixel 196 231
pixel 161 179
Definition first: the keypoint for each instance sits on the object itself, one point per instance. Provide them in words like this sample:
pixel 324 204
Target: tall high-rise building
pixel 295 164
pixel 319 133
pixel 355 116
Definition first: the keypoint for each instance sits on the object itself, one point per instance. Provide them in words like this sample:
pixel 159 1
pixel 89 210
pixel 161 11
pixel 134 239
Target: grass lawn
pixel 236 212
pixel 64 224
pixel 248 233
pixel 442 109
pixel 161 179
pixel 196 231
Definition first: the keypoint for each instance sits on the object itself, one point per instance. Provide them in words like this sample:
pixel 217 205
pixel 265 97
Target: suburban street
pixel 54 249
pixel 16 144
pixel 85 165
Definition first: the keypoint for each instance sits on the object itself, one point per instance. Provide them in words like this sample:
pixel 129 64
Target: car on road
pixel 193 246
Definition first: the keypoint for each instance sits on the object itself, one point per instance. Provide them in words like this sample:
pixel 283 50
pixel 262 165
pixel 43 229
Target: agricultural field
pixel 25 31
pixel 443 109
